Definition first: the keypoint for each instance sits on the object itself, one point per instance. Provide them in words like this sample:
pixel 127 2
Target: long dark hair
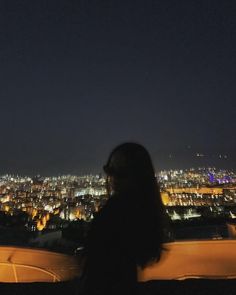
pixel 130 174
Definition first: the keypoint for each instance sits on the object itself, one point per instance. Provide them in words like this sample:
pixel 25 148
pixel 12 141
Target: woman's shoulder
pixel 107 213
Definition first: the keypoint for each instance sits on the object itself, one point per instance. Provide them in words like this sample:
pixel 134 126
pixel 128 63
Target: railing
pixel 210 259
pixel 16 268
pixel 19 265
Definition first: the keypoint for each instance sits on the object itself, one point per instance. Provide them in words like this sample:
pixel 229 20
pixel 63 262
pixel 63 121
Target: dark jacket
pixel 109 265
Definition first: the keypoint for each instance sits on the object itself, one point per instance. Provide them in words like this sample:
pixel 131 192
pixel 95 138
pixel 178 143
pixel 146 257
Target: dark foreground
pixel 173 287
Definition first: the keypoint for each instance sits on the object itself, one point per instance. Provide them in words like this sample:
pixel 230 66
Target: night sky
pixel 79 77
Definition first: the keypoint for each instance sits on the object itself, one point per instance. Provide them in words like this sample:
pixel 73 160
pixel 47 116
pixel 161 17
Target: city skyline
pixel 162 160
pixel 78 78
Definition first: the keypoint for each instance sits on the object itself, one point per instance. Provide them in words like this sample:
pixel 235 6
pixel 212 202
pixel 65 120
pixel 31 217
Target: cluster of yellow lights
pixel 6 208
pixel 34 213
pixel 165 196
pixel 56 211
pixel 78 214
pixel 42 222
pixel 194 190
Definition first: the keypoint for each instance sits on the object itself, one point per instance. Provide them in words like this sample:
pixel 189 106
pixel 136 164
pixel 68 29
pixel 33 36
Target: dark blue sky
pixel 79 77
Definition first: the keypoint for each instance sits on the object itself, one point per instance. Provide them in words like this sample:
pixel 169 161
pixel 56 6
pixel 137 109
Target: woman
pixel 127 232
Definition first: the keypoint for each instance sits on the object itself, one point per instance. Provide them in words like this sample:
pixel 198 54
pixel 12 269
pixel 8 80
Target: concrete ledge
pixel 20 265
pixel 210 259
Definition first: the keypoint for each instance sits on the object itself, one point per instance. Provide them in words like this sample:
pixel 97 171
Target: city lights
pixel 79 197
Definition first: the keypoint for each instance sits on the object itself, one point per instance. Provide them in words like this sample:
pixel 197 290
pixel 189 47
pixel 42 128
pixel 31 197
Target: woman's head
pixel 129 168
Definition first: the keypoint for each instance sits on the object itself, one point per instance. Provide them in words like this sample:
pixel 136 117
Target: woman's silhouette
pixel 128 231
